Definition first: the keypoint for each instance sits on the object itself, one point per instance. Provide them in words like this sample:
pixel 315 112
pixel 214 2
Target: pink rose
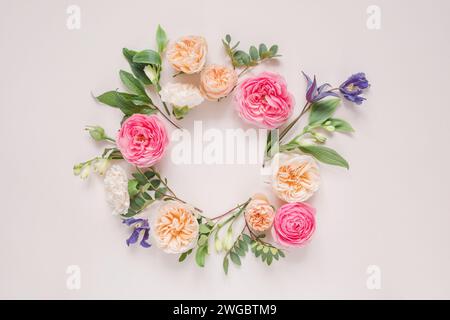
pixel 264 100
pixel 294 224
pixel 142 139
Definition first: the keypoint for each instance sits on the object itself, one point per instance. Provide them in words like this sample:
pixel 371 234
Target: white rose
pixel 295 177
pixel 181 95
pixel 116 187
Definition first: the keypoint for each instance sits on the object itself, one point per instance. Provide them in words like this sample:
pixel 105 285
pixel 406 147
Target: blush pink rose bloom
pixel 142 140
pixel 264 100
pixel 294 224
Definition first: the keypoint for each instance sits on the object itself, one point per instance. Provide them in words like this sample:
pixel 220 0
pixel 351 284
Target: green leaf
pixel 247 238
pixel 325 155
pixel 226 262
pixel 262 50
pixel 161 39
pixel 136 68
pixel 140 178
pixel 339 125
pixel 133 84
pixel 184 255
pixel 155 183
pixel 322 110
pixel 269 259
pixel 242 58
pixel 239 251
pixel 123 101
pixel 273 50
pixel 160 193
pixel 254 53
pixel 235 258
pixel 180 112
pixel 149 174
pixel 132 188
pixel 202 240
pixel 129 214
pixel 204 228
pixel 147 57
pixel 200 255
pixel 281 253
pixel 228 38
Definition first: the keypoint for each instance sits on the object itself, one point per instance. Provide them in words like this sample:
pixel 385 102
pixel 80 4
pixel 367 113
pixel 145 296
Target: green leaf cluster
pixel 267 252
pixel 146 67
pixel 321 117
pixel 250 58
pixel 205 229
pixel 144 189
pixel 237 251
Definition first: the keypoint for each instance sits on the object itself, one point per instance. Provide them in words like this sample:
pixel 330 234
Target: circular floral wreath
pixel 174 225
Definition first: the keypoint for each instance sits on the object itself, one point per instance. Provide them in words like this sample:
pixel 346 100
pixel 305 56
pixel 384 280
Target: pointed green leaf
pixel 133 84
pixel 235 258
pixel 147 57
pixel 161 39
pixel 325 155
pixel 136 68
pixel 225 265
pixel 322 110
pixel 340 125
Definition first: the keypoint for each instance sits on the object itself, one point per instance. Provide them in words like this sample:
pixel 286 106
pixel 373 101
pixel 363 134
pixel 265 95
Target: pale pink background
pixel 391 209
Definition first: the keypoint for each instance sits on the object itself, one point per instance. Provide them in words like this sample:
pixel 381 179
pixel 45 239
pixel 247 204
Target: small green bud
pixel 85 171
pixel 330 128
pixel 97 133
pixel 180 112
pixel 151 74
pixel 101 165
pixel 77 169
pixel 218 245
pixel 319 137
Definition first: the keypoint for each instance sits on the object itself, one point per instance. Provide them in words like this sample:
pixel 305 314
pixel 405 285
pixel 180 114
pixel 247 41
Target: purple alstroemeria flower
pixel 353 87
pixel 314 93
pixel 139 225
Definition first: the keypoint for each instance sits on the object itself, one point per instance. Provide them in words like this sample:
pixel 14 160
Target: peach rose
pixel 188 54
pixel 217 81
pixel 175 227
pixel 259 214
pixel 295 177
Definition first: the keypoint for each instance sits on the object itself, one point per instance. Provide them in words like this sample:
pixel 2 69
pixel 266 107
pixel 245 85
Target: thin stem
pixel 229 211
pixel 110 139
pixel 289 127
pixel 167 118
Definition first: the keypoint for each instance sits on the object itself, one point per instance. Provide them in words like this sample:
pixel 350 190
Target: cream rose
pixel 181 95
pixel 188 54
pixel 295 177
pixel 175 227
pixel 217 81
pixel 259 214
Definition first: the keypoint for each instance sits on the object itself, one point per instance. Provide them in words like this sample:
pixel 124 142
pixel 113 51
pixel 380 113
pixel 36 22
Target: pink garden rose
pixel 142 139
pixel 264 100
pixel 294 224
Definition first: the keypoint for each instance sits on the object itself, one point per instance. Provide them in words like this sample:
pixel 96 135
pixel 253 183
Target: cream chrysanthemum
pixel 116 186
pixel 295 177
pixel 175 227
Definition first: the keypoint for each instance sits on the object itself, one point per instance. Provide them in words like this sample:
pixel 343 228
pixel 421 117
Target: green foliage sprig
pixel 320 118
pixel 240 58
pixel 146 68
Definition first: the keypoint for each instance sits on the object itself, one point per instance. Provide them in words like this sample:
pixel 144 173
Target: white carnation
pixel 116 186
pixel 181 95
